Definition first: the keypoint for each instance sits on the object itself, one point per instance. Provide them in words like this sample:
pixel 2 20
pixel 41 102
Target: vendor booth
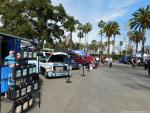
pixel 20 81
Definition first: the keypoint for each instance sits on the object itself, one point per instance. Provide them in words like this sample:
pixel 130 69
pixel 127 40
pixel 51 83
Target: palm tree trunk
pixel 79 42
pixel 108 45
pixel 85 42
pixel 120 49
pixel 114 45
pixel 136 47
pixel 70 43
pixel 100 46
pixel 143 43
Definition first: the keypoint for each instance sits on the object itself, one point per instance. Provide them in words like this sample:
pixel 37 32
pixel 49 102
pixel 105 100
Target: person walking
pixel 145 63
pixel 148 66
pixel 110 62
pixel 133 61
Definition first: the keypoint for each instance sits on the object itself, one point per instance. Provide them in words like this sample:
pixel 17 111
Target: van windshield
pixel 57 58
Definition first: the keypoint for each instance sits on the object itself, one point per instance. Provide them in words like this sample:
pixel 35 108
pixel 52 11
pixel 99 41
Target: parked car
pixel 78 59
pixel 125 59
pixel 55 66
pixel 83 59
pixel 72 63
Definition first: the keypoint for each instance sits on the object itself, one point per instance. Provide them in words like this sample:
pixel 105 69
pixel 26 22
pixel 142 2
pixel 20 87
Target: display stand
pixel 26 84
pixel 30 86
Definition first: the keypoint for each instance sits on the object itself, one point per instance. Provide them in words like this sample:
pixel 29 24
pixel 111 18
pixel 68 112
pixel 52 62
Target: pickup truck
pixel 54 65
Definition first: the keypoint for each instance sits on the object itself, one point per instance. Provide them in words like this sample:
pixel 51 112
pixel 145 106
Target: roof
pixel 58 49
pixel 12 36
pixel 47 49
pixel 60 53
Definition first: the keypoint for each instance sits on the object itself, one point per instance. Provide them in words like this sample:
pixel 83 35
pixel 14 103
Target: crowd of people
pixel 100 61
pixel 146 63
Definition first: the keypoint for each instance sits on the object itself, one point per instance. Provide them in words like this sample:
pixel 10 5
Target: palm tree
pixel 86 29
pixel 108 30
pixel 116 31
pixel 80 34
pixel 94 45
pixel 101 25
pixel 70 25
pixel 141 22
pixel 136 37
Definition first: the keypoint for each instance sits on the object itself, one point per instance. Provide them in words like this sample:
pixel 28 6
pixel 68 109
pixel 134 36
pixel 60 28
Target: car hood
pixel 58 64
pixel 51 64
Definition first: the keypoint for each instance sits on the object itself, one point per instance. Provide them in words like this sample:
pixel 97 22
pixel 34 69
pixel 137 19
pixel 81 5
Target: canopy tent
pixel 9 42
pixel 69 52
pixel 80 52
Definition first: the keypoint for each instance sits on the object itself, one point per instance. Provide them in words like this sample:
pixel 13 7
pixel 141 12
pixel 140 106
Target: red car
pixel 83 59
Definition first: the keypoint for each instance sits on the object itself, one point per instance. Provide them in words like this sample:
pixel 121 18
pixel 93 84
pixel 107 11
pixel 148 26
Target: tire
pixel 45 75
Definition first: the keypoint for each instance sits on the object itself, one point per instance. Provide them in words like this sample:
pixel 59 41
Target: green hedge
pixel 114 57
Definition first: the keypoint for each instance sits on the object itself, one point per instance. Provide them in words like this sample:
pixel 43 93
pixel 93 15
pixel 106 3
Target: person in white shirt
pixel 110 62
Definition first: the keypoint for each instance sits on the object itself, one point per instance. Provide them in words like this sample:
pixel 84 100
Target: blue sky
pixel 94 10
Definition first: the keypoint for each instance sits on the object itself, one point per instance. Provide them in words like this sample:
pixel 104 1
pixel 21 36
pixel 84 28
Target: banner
pixel 6 78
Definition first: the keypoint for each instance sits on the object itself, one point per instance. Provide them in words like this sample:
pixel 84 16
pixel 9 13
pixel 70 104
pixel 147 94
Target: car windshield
pixel 57 58
pixel 47 55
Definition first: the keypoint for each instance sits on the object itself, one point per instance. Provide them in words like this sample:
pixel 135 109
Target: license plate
pixel 59 68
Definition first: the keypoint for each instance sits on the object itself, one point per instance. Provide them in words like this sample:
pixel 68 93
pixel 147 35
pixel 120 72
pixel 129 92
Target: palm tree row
pixel 140 22
pixel 136 37
pixel 110 29
pixel 84 29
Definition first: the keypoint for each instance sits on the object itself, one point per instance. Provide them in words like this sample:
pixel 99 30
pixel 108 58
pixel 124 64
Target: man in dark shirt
pixel 20 60
pixel 148 66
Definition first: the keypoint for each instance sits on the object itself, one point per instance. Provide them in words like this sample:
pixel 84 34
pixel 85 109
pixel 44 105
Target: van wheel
pixel 45 75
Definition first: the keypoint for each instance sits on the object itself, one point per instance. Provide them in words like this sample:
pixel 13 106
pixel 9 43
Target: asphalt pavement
pixel 121 89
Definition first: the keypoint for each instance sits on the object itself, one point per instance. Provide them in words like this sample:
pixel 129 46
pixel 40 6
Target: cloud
pixel 95 10
pixel 123 4
pixel 113 14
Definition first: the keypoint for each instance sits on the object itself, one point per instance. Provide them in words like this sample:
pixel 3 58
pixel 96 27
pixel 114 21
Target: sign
pixel 6 74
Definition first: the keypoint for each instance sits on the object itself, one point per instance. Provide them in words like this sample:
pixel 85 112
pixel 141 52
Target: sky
pixel 95 10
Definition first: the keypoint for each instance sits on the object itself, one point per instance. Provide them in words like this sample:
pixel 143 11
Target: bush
pixel 114 57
